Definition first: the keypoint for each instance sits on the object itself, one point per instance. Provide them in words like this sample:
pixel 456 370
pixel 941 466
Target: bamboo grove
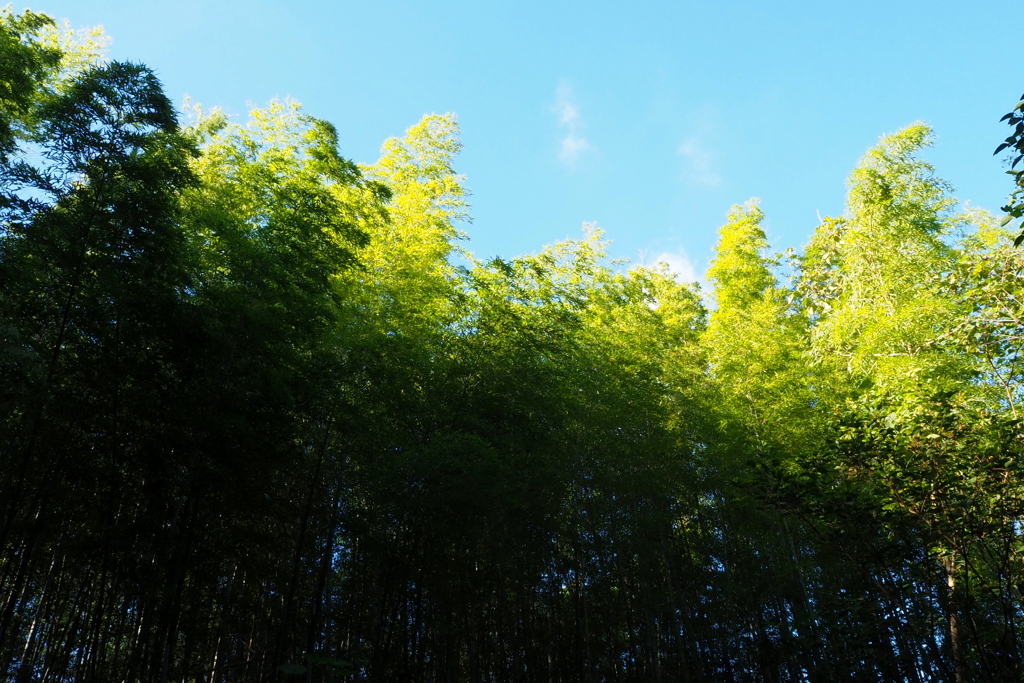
pixel 264 418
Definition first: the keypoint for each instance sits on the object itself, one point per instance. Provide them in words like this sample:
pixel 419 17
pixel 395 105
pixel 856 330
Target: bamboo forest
pixel 264 417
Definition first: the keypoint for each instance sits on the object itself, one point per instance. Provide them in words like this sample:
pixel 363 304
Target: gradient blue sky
pixel 650 118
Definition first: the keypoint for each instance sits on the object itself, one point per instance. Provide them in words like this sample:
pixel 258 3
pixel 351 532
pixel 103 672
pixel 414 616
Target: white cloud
pixel 679 264
pixel 572 148
pixel 573 145
pixel 568 113
pixel 699 163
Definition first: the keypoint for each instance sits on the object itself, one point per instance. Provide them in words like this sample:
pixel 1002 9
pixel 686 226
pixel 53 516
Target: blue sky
pixel 650 118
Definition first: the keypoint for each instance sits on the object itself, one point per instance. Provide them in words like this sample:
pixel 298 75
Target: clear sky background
pixel 650 118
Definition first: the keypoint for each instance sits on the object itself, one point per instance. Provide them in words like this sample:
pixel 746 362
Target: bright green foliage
pixel 38 59
pixel 987 285
pixel 740 273
pixel 80 49
pixel 755 343
pixel 269 209
pixel 428 191
pixel 918 336
pixel 25 64
pixel 408 260
pixel 881 312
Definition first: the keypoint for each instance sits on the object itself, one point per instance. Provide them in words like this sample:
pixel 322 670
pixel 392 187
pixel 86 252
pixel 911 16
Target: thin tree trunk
pixel 949 565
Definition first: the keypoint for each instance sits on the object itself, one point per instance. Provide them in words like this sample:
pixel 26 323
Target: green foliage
pixel 408 266
pixel 986 286
pixel 756 345
pixel 256 421
pixel 25 64
pixel 1015 144
pixel 950 465
pixel 740 274
pixel 869 275
pixel 268 211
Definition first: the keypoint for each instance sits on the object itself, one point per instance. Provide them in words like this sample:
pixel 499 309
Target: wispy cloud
pixel 568 112
pixel 698 163
pixel 679 264
pixel 698 150
pixel 573 146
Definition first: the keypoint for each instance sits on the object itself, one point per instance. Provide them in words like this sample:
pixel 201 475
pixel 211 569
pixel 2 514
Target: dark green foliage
pixel 1015 144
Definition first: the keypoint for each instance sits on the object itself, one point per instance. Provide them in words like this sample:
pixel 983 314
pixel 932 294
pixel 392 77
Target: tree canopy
pixel 263 417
